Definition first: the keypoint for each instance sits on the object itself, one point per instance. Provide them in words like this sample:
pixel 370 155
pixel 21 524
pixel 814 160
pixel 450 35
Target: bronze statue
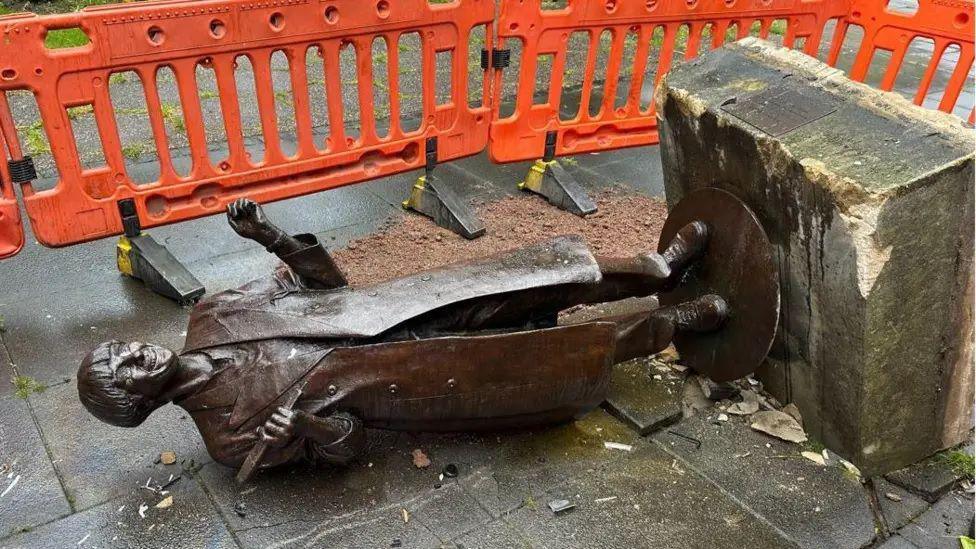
pixel 296 365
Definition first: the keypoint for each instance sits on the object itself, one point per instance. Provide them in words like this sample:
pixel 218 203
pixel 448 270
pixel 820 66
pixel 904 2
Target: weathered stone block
pixel 868 201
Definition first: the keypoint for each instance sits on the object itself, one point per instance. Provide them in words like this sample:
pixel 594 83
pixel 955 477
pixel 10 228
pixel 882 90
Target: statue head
pixel 121 383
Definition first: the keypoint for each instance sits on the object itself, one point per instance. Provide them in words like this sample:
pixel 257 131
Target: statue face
pixel 143 368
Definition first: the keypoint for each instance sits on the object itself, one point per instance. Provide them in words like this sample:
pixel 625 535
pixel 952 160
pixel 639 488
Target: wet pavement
pixel 67 480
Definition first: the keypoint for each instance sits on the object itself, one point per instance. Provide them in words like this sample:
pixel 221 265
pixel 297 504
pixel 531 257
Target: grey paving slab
pixel 191 521
pixel 815 506
pixel 902 508
pixel 930 479
pixel 645 394
pixel 897 542
pixel 30 492
pixel 98 461
pixel 941 526
pixel 655 502
pixel 494 535
pixel 497 473
pixel 7 372
pixel 448 512
pixel 521 467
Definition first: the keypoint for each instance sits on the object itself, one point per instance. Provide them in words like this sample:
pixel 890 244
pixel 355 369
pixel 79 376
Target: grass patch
pixel 57 39
pixel 25 386
pixel 134 151
pixel 960 462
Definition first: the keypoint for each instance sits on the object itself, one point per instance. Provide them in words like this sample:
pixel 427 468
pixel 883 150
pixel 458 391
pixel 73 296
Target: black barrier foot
pixel 437 201
pixel 142 258
pixel 550 180
pixel 139 255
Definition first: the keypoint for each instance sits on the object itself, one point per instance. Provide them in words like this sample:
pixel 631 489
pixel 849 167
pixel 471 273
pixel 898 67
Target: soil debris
pixel 626 224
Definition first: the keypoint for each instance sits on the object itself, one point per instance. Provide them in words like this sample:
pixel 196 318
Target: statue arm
pixel 303 253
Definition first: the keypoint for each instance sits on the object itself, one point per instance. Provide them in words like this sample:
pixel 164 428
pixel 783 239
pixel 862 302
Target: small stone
pixel 559 506
pixel 723 417
pixel 241 509
pixel 668 355
pixel 779 425
pixel 420 459
pixel 717 391
pixel 166 503
pixel 893 497
pixel 406 515
pixel 814 457
pixel 438 238
pixel 167 458
pixel 450 471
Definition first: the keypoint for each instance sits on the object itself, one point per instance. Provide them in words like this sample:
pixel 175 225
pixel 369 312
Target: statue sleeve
pixel 343 450
pixel 313 265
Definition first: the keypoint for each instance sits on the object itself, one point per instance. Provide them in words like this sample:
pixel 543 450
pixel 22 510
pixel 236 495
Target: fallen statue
pixel 295 366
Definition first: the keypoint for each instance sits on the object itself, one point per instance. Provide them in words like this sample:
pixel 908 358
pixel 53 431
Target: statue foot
pixel 705 314
pixel 688 244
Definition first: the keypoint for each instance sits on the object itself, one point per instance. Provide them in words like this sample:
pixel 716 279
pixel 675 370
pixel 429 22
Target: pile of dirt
pixel 624 225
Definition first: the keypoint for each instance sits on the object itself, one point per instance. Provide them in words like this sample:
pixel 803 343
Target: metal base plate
pixel 739 266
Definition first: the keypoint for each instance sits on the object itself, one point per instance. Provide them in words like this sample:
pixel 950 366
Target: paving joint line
pixel 786 537
pixel 40 432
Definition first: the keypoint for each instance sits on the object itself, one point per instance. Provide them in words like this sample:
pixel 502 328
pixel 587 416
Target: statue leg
pixel 644 334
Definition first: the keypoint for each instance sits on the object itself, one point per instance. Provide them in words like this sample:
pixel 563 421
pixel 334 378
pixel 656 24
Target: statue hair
pixel 99 393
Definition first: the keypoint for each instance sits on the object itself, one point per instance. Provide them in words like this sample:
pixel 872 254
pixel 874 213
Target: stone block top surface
pixel 871 142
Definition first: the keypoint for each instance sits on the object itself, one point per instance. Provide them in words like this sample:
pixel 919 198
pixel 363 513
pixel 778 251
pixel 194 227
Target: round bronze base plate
pixel 737 265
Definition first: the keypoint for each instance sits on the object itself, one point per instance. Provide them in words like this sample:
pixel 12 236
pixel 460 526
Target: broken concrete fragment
pixel 794 412
pixel 779 425
pixel 869 205
pixel 749 404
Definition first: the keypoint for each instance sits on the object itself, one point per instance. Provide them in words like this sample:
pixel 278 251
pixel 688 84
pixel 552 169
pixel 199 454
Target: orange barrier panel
pixel 216 35
pixel 11 229
pixel 944 23
pixel 634 44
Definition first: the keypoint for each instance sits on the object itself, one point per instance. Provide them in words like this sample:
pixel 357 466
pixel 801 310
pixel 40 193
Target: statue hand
pixel 280 427
pixel 247 218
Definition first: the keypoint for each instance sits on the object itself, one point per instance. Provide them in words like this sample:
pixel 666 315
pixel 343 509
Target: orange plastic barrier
pixel 11 230
pixel 944 22
pixel 643 37
pixel 182 35
pixel 625 118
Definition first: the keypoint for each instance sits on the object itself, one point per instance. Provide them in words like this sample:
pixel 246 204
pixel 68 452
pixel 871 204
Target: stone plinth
pixel 868 201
